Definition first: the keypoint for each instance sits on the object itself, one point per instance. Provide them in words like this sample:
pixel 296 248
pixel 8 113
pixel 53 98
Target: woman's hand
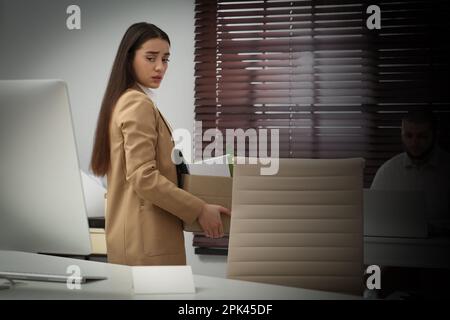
pixel 209 220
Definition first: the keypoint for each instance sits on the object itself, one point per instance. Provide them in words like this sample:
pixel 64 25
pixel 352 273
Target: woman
pixel 133 147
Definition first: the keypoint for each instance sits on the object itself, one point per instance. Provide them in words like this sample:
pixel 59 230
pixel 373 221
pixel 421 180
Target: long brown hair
pixel 122 77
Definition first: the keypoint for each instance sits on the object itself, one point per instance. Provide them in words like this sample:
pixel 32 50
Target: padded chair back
pixel 302 227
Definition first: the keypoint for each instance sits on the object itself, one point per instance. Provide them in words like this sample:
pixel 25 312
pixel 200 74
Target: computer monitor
pixel 42 207
pixel 395 213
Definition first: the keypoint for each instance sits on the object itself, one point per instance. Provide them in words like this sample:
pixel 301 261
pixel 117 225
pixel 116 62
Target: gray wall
pixel 35 44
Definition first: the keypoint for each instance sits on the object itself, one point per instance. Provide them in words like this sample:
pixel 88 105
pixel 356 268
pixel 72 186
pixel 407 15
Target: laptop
pixel 46 277
pixel 392 213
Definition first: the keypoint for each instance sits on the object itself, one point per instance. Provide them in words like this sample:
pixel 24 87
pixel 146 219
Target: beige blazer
pixel 145 208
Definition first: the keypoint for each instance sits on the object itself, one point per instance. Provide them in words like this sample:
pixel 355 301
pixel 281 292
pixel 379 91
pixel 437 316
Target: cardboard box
pixel 98 240
pixel 213 190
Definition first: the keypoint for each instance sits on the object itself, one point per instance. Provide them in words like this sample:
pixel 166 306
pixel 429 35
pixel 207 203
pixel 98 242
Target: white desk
pixel 404 252
pixel 119 283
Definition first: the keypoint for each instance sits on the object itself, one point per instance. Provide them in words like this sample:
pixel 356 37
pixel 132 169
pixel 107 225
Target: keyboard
pixel 46 277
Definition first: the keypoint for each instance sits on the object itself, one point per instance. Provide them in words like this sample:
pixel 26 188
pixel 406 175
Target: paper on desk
pixel 217 167
pixel 162 279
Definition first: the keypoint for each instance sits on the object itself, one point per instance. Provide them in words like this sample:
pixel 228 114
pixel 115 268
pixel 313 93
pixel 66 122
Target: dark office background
pixel 312 69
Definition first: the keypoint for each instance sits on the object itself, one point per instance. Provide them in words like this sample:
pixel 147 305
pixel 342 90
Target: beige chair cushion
pixel 301 227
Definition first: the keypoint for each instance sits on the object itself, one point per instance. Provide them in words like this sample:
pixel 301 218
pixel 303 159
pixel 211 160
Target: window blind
pixel 314 71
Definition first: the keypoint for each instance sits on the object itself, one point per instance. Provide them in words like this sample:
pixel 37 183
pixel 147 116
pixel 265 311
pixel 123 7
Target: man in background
pixel 422 166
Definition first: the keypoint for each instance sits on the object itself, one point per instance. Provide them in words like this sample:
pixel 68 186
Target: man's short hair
pixel 421 117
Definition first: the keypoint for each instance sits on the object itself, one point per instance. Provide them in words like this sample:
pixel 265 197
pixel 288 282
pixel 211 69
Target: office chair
pixel 302 227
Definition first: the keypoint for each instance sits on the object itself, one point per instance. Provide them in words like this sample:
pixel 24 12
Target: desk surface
pixel 119 283
pixel 405 252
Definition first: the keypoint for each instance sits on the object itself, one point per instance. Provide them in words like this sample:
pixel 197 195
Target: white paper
pixel 217 167
pixel 162 279
pixel 94 195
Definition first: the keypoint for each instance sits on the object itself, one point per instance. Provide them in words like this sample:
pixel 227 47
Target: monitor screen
pixel 42 207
